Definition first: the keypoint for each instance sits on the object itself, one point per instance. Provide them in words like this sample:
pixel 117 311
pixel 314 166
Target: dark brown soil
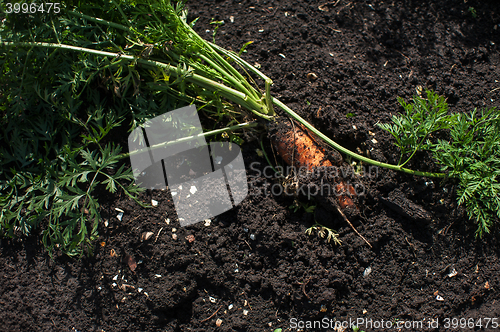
pixel 253 267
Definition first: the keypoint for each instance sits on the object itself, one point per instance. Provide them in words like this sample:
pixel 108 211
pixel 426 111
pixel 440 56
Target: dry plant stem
pixel 212 315
pixel 156 238
pixel 304 287
pixel 352 226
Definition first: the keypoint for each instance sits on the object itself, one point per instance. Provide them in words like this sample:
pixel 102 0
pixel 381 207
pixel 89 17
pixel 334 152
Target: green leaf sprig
pixel 471 156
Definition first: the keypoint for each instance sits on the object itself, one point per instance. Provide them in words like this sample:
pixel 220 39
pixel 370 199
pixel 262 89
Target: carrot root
pixel 298 148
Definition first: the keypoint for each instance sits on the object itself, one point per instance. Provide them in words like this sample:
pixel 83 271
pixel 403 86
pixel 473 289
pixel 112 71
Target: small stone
pixel 367 271
pixel 120 216
pixel 174 236
pixel 207 222
pixel 245 312
pixel 212 299
pixel 154 202
pixel 230 306
pixel 312 76
pixel 252 237
pixel 439 298
pixel 218 322
pixel 146 236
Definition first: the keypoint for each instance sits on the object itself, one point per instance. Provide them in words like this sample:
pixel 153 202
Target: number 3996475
pixel 32 8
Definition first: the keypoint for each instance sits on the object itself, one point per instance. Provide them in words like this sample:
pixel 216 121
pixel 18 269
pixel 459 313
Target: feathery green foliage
pixel 74 83
pixel 471 156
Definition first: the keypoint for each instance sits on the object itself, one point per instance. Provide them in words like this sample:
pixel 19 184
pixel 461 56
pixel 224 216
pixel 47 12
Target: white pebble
pixel 119 210
pixel 367 271
pixel 157 275
pixel 193 190
pixel 282 55
pixel 208 222
pixel 212 299
pixel 139 289
pixel 115 277
pixel 231 18
pixel 245 312
pixel 120 216
pixel 154 202
pixel 252 236
pixel 439 298
pixel 230 306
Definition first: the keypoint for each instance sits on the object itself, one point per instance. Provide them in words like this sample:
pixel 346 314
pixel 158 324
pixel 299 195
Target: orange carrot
pixel 297 148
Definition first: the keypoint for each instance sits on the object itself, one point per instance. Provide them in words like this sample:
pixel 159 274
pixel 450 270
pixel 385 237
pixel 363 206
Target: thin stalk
pixel 226 75
pixel 121 11
pixel 269 98
pixel 189 138
pixel 256 106
pixel 221 60
pixel 240 61
pixel 349 152
pixel 100 21
pixel 242 83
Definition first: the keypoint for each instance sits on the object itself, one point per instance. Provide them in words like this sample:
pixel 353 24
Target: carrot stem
pixel 349 152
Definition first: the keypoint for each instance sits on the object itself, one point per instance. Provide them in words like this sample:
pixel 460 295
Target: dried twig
pixel 211 315
pixel 352 226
